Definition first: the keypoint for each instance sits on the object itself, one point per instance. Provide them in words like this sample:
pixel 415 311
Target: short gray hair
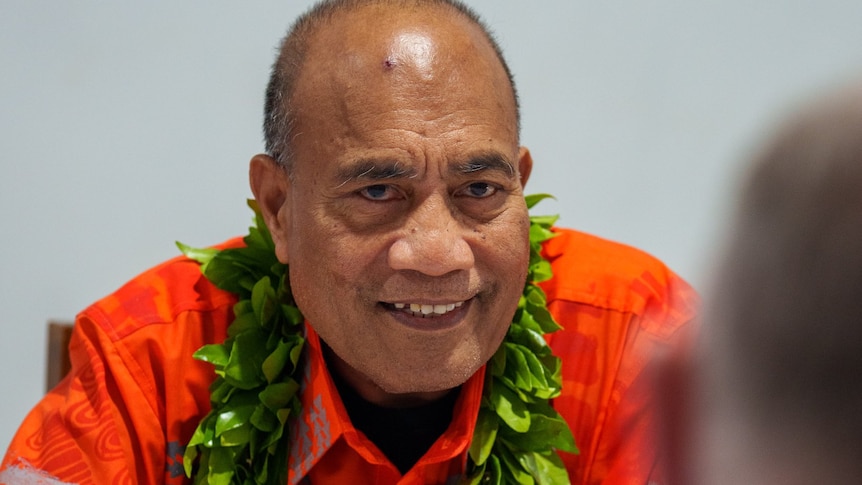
pixel 279 118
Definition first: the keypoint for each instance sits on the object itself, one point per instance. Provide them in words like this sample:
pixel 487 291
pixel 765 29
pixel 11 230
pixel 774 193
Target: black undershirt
pixel 402 434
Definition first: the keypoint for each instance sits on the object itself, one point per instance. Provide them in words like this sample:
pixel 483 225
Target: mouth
pixel 425 310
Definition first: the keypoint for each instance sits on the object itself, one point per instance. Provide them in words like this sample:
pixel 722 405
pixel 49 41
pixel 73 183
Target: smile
pixel 427 310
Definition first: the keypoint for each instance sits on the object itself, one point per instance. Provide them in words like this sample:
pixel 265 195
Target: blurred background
pixel 125 126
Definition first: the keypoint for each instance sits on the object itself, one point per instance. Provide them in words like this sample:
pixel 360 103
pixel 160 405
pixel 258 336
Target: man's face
pixel 405 226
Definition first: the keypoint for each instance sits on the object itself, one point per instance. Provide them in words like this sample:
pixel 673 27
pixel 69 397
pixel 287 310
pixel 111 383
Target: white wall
pixel 125 126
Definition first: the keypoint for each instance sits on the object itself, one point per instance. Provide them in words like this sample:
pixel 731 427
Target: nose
pixel 433 242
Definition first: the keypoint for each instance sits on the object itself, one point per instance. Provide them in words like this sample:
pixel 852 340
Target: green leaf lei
pixel 244 438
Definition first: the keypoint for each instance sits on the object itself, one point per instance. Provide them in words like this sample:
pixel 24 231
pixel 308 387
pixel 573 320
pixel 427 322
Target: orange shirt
pixel 135 395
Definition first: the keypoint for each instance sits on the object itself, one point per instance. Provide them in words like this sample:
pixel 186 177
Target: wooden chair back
pixel 58 364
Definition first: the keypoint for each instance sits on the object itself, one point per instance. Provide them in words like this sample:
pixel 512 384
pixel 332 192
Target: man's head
pixel 279 114
pixel 402 218
pixel 783 333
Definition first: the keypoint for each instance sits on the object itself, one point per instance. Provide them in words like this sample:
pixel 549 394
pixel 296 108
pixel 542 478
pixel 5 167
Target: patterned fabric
pixel 135 395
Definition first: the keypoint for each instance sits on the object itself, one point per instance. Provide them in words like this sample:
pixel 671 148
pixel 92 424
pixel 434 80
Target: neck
pixel 373 393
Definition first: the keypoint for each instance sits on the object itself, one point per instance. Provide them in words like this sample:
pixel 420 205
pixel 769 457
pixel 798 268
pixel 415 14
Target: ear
pixel 525 164
pixel 270 185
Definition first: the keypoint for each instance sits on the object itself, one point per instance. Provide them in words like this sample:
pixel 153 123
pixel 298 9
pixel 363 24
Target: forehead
pixel 424 70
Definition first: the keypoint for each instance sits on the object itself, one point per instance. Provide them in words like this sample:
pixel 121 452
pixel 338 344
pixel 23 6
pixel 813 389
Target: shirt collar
pixel 324 420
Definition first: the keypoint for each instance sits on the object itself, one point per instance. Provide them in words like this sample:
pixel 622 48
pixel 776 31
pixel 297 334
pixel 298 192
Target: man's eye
pixel 480 190
pixel 378 192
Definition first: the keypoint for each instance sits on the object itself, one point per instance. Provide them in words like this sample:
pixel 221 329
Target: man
pixel 393 189
pixel 781 356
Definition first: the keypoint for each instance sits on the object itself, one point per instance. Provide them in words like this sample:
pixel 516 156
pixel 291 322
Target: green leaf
pixel 263 300
pixel 215 354
pixel 202 256
pixel 529 338
pixel 275 362
pixel 534 199
pixel 536 306
pixel 233 418
pixel 536 369
pixel 540 271
pixel 546 433
pixel 263 419
pixel 276 396
pixel 199 436
pixel 296 351
pixel 484 436
pixel 510 408
pixel 510 462
pixel 243 369
pixel 293 314
pixel 539 233
pixel 544 221
pixel 220 466
pixel 242 323
pixel 190 455
pixel 494 471
pixel 236 436
pixel 498 362
pixel 221 391
pixel 475 477
pixel 527 321
pixel 261 473
pixel 518 371
pixel 231 271
pixel 546 468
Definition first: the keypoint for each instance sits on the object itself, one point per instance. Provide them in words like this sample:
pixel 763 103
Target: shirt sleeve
pixel 82 431
pixel 630 450
pixel 611 353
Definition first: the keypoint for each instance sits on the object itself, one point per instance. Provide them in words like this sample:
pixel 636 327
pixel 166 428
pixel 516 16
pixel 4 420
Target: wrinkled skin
pixel 406 188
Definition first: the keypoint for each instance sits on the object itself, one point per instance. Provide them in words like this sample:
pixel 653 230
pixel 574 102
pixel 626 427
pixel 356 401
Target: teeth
pixel 426 309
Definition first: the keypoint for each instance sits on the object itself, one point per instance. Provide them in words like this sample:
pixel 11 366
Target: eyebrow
pixel 485 161
pixel 374 170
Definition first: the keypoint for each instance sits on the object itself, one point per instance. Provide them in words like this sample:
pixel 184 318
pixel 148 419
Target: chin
pixel 430 378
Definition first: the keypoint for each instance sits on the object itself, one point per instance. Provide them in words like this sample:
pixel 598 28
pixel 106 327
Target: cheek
pixel 313 235
pixel 311 250
pixel 329 258
pixel 510 245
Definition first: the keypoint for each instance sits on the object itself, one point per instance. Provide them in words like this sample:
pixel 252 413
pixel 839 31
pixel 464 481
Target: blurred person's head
pixel 781 354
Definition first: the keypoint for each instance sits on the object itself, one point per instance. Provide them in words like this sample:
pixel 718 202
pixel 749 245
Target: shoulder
pixel 620 310
pixel 606 275
pixel 159 295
